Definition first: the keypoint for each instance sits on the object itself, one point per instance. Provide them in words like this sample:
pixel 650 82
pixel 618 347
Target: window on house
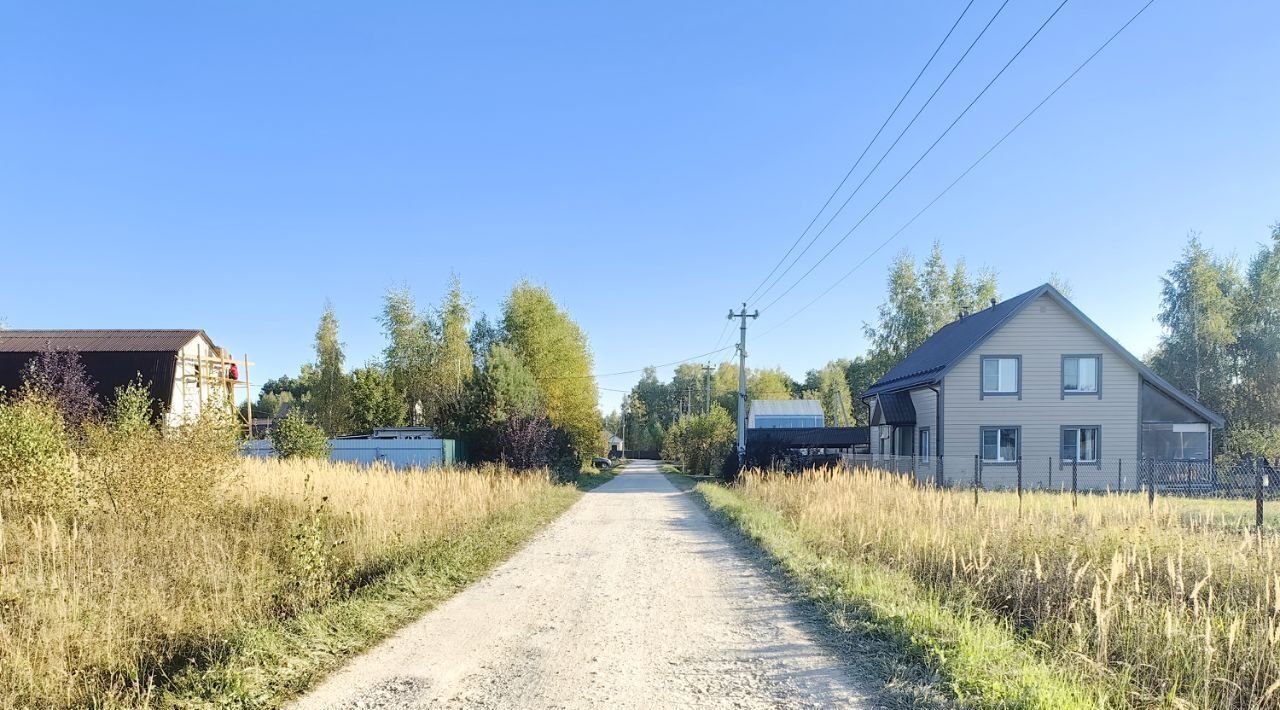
pixel 924 443
pixel 1000 444
pixel 1080 374
pixel 1186 442
pixel 1000 375
pixel 1080 444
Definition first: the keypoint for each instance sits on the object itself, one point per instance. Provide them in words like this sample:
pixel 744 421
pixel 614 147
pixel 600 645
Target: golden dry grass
pixel 97 610
pixel 1152 607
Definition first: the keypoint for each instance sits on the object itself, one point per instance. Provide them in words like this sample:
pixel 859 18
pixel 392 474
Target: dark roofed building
pixel 1033 379
pixel 183 369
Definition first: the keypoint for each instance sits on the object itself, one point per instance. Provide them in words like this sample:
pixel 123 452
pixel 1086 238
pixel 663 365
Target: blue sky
pixel 232 165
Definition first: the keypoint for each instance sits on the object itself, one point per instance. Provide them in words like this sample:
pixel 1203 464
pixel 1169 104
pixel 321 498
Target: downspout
pixel 937 419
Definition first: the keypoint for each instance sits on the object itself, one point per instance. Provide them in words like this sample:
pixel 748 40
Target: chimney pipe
pixel 994 302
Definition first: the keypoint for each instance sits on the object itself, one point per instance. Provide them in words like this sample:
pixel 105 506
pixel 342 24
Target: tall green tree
pixel 920 301
pixel 1198 311
pixel 330 396
pixel 1257 328
pixel 409 351
pixel 452 363
pixel 554 349
pixel 830 386
pixel 860 375
pixel 375 402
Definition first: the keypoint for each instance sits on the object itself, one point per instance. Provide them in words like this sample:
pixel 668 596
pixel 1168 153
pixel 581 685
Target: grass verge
pixel 246 595
pixel 264 665
pixel 976 656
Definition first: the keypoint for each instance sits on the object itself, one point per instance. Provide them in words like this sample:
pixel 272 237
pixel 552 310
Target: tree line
pixel 518 389
pixel 1221 340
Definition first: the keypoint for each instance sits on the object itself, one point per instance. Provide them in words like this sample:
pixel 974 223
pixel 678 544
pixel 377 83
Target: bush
pixel 295 437
pixel 37 467
pixel 131 464
pixel 701 441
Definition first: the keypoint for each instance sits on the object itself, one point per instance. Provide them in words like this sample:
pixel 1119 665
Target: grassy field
pixel 1111 606
pixel 248 599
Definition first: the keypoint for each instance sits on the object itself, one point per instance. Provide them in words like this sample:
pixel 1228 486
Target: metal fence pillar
pixel 1019 487
pixel 1257 492
pixel 1050 473
pixel 1151 487
pixel 1119 475
pixel 977 477
pixel 1075 483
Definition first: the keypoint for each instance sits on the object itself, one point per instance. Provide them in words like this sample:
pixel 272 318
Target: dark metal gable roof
pixel 952 342
pixel 87 341
pixel 898 408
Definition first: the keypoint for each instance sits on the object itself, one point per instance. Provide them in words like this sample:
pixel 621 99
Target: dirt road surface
pixel 634 598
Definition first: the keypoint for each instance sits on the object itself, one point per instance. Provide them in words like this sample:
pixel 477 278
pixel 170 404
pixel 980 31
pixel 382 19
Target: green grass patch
pixel 978 658
pixel 264 665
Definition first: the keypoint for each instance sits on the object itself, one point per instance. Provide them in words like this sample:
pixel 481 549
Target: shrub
pixel 295 437
pixel 60 377
pixel 37 467
pixel 131 464
pixel 701 441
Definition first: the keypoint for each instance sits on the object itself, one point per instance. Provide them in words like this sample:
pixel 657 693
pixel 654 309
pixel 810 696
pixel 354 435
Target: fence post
pixel 942 479
pixel 1119 475
pixel 1050 473
pixel 1019 488
pixel 1074 483
pixel 1257 492
pixel 914 478
pixel 976 478
pixel 1151 486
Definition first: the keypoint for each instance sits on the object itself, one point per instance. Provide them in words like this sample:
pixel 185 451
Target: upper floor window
pixel 1080 374
pixel 1001 374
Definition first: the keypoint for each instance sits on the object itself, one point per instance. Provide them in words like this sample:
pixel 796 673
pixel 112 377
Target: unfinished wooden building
pixel 184 370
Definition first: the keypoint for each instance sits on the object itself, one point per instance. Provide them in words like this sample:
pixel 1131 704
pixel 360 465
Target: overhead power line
pixel 967 170
pixel 870 143
pixel 883 156
pixel 924 155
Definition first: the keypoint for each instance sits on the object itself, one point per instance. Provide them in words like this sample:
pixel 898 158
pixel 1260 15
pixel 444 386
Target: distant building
pixel 784 413
pixel 614 444
pixel 185 372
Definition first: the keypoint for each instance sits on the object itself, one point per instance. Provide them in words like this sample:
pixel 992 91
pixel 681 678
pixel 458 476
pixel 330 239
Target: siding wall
pixel 1041 334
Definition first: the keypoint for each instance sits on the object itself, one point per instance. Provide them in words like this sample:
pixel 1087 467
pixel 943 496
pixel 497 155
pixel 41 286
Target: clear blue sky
pixel 231 165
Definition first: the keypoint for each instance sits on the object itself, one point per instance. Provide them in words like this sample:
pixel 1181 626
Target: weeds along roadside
pixel 149 568
pixel 1119 605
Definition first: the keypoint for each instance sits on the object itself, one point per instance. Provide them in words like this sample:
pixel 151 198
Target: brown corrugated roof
pixel 86 341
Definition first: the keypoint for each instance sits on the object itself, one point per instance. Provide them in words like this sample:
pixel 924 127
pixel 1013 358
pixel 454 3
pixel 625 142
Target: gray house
pixel 1032 380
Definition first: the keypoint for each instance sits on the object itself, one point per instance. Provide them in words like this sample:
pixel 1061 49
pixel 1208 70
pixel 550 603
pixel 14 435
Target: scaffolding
pixel 205 379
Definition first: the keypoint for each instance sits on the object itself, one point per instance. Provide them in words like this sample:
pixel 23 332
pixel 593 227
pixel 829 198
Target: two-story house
pixel 1032 381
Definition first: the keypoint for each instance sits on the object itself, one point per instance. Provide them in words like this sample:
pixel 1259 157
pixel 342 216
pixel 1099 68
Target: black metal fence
pixel 1245 479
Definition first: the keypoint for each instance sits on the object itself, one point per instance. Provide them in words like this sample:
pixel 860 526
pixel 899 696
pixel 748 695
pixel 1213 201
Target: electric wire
pixel 863 154
pixel 883 156
pixel 924 155
pixel 967 170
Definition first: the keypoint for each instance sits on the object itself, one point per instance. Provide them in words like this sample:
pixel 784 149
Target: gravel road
pixel 633 598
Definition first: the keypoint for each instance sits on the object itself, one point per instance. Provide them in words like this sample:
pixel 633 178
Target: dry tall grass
pixel 1161 610
pixel 94 609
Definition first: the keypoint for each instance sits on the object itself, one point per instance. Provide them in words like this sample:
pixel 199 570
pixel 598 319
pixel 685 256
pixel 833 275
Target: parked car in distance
pixel 601 462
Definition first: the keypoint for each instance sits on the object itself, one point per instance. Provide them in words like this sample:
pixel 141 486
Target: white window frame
pixel 983 392
pixel 1077 428
pixel 1097 375
pixel 982 445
